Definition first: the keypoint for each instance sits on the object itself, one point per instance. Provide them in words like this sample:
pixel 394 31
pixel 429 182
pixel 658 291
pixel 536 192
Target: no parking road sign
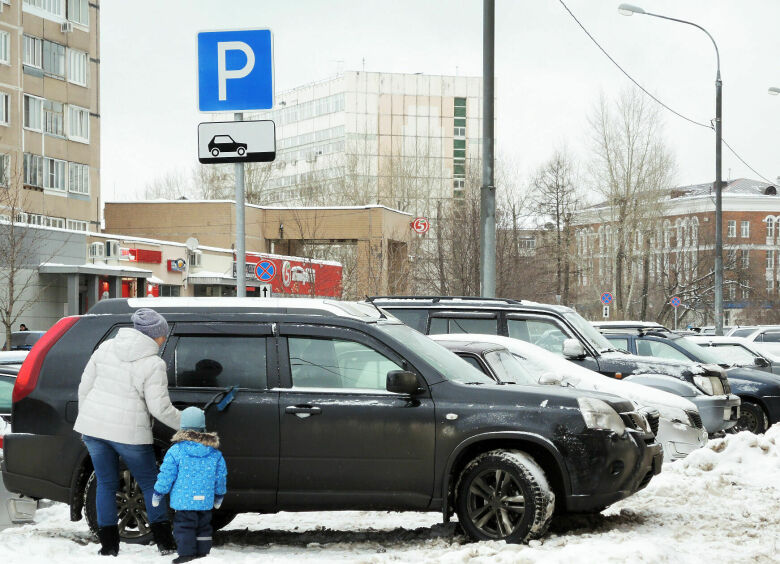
pixel 675 302
pixel 265 270
pixel 606 298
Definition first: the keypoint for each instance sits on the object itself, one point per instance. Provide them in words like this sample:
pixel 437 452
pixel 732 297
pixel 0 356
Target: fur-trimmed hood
pixel 190 435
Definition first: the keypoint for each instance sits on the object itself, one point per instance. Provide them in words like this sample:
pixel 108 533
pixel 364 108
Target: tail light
pixel 27 378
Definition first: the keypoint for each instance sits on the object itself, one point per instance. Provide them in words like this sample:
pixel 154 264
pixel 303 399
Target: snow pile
pixel 721 503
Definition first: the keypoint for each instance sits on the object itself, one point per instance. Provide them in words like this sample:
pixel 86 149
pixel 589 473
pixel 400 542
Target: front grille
pixel 695 419
pixel 726 385
pixel 653 418
pixel 635 420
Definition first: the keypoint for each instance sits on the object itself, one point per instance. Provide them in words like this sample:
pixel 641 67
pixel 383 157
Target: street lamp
pixel 774 90
pixel 629 10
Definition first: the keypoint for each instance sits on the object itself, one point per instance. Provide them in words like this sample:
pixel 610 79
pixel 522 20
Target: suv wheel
pixel 504 495
pixel 751 418
pixel 133 522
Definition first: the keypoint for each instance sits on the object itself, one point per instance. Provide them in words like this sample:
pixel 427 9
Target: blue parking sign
pixel 235 70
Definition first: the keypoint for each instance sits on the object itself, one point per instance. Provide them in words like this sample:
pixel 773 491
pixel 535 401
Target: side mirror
pixel 551 379
pixel 402 382
pixel 761 362
pixel 572 348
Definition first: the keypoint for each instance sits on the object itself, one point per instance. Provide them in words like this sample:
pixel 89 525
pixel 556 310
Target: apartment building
pixel 400 140
pixel 50 112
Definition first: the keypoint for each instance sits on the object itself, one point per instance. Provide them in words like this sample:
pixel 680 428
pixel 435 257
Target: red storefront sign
pixel 145 255
pixel 301 277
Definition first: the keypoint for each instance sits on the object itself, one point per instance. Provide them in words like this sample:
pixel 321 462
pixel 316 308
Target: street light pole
pixel 487 208
pixel 628 10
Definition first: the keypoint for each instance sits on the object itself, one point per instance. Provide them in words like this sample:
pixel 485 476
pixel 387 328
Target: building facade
pixel 50 112
pixel 675 245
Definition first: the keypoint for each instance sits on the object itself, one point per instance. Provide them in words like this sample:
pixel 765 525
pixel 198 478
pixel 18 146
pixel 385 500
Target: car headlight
pixel 710 385
pixel 599 415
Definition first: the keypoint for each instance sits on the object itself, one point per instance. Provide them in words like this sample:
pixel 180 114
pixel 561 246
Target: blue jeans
pixel 142 464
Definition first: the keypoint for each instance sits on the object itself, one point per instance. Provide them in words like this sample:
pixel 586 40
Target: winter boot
pixel 109 540
pixel 182 559
pixel 163 537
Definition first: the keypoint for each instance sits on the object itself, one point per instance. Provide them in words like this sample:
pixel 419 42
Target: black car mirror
pixel 402 382
pixel 761 362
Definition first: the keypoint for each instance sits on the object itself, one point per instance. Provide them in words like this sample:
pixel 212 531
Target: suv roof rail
pixel 436 299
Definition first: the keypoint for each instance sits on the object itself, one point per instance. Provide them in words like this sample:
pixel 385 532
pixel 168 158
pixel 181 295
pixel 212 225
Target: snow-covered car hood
pixel 654 365
pixel 578 376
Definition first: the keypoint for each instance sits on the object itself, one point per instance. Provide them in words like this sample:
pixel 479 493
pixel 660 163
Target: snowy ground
pixel 721 504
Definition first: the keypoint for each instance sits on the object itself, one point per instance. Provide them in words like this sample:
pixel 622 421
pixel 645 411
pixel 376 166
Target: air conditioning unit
pixel 112 249
pixel 97 250
pixel 195 259
pixel 66 27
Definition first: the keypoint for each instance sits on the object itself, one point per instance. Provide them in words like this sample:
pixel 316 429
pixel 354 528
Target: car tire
pixel 221 519
pixel 215 152
pixel 135 529
pixel 241 151
pixel 751 418
pixel 504 495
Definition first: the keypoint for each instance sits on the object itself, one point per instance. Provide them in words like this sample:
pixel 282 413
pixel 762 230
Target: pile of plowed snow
pixel 722 503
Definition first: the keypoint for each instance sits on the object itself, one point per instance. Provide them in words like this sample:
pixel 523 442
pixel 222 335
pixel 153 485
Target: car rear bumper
pixel 616 468
pixel 718 413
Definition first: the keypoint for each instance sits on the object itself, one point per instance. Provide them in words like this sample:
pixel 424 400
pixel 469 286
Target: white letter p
pixel 222 73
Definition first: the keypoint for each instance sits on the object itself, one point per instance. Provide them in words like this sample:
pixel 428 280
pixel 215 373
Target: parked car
pixel 15 509
pixel 737 351
pixel 339 406
pixel 563 331
pixel 759 391
pixel 766 337
pixel 23 340
pixel 675 421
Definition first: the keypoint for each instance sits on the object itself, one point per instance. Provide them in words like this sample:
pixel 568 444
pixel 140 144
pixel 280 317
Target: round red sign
pixel 420 225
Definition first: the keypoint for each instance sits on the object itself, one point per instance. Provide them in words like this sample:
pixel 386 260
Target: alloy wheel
pixel 133 521
pixel 495 503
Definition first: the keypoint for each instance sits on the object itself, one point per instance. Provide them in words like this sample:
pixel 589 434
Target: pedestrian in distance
pixel 23 327
pixel 194 473
pixel 124 385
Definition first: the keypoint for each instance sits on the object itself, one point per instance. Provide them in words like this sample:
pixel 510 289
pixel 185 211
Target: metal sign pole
pixel 487 262
pixel 675 319
pixel 240 226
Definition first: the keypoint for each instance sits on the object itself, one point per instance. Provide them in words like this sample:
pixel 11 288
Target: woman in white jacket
pixel 124 385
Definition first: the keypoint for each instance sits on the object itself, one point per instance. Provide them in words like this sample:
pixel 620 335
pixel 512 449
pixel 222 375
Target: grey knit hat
pixel 150 323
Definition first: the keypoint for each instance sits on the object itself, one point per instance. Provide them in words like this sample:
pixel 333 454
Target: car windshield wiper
pixel 474 383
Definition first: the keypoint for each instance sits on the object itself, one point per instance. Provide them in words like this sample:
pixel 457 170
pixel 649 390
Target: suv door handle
pixel 303 411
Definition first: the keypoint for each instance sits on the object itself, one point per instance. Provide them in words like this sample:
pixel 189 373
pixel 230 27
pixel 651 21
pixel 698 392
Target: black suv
pixel 563 331
pixel 338 407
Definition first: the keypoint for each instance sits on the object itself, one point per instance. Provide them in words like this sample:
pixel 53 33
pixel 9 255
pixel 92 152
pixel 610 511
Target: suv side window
pixel 619 342
pixel 337 363
pixel 414 318
pixel 659 349
pixel 445 325
pixel 219 362
pixel 472 361
pixel 540 332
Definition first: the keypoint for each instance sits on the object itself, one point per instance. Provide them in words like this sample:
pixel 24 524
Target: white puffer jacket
pixel 123 386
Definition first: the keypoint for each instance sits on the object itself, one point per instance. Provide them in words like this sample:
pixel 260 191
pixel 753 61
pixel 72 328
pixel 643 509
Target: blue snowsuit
pixel 193 472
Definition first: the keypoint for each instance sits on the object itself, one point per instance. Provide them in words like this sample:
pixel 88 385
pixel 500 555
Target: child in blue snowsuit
pixel 194 473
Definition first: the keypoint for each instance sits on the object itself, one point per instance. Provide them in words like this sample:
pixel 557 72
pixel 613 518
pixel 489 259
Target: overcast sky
pixel 548 73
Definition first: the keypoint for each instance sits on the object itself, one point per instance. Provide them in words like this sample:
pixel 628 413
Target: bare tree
pixel 632 169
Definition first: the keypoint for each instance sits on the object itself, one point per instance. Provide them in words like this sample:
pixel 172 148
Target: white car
pixel 766 337
pixel 680 430
pixel 738 351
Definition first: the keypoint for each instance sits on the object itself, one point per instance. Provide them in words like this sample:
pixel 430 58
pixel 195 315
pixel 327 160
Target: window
pixel 78 11
pixel 54 59
pixel 770 260
pixel 770 284
pixel 50 7
pixel 337 363
pixel 77 225
pixel 78 124
pixel 54 174
pixel 540 332
pixel 167 291
pixel 33 170
pixel 33 52
pixel 5 165
pixel 414 318
pixel 658 349
pixel 732 232
pixel 77 67
pixel 33 112
pixel 732 292
pixel 6 391
pixel 3 108
pixel 745 259
pixel 53 118
pixel 770 228
pixel 442 325
pixel 618 342
pixel 744 229
pixel 78 178
pixel 5 47
pixel 745 293
pixel 472 361
pixel 731 259
pixel 460 132
pixel 219 362
pixel 460 107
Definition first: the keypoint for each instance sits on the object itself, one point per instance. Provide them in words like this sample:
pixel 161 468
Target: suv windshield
pixel 508 368
pixel 591 334
pixel 701 354
pixel 450 365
